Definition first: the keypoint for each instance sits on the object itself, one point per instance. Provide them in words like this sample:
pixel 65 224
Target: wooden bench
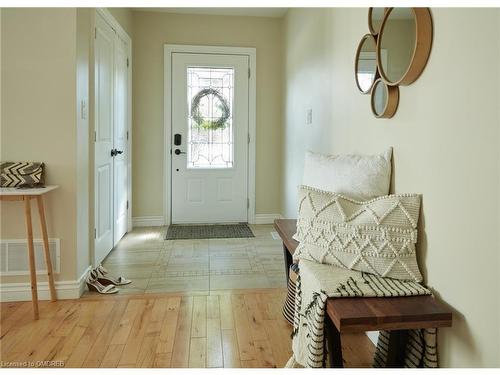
pixel 347 315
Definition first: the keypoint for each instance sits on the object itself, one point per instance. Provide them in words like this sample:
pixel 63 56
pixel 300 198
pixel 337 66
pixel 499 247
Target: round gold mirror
pixel 384 99
pixel 375 18
pixel 366 63
pixel 404 44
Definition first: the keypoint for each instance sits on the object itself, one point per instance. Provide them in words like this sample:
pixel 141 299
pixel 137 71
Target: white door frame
pixel 169 50
pixel 108 17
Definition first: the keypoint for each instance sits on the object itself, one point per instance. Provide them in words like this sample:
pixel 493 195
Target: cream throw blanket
pixel 317 282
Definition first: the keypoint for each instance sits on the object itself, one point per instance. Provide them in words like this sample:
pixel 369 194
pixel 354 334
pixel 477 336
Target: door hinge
pixel 248 202
pixel 95 136
pixel 127 135
pixel 127 62
pixel 249 73
pixel 249 138
pixel 95 32
pixel 95 233
pixel 127 205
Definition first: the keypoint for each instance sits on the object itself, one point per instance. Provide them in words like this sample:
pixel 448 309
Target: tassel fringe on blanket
pixel 317 282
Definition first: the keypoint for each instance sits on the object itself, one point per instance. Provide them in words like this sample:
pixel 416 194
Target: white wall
pixel 83 17
pixel 446 146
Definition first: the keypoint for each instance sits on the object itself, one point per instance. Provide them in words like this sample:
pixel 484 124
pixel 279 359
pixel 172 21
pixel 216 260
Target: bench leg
pixel 397 348
pixel 288 261
pixel 334 344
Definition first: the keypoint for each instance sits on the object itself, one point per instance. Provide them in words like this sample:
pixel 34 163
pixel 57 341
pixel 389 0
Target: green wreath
pixel 204 123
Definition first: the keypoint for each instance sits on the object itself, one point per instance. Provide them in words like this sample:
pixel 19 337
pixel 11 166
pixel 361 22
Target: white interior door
pixel 104 94
pixel 120 139
pixel 209 157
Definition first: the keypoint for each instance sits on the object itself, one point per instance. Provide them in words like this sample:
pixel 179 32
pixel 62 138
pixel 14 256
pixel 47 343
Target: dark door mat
pixel 196 232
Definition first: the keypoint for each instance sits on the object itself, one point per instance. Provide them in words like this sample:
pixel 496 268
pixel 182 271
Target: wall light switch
pixel 83 109
pixel 309 116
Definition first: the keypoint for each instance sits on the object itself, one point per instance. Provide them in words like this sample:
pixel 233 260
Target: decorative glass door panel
pixel 210 123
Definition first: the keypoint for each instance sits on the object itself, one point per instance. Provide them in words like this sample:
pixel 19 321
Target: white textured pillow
pixel 361 177
pixel 376 236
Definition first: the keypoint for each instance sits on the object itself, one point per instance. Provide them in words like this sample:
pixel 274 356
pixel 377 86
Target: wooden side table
pixel 26 195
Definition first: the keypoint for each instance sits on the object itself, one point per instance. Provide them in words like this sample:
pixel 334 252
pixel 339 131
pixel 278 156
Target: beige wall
pixel 124 17
pixel 498 179
pixel 46 65
pixel 446 146
pixel 153 30
pixel 38 118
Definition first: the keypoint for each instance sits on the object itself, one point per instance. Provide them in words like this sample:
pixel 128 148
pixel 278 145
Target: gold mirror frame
pixel 370 24
pixel 391 103
pixel 421 50
pixel 356 63
pixel 420 56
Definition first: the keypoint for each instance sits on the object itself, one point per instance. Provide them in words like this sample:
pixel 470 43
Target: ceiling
pixel 255 12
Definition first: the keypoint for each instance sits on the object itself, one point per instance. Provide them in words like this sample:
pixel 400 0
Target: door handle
pixel 115 152
pixel 178 152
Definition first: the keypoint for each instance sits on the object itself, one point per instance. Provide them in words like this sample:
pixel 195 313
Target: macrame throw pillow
pixel 376 236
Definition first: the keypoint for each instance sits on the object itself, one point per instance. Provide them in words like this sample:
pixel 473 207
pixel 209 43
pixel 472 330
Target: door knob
pixel 178 152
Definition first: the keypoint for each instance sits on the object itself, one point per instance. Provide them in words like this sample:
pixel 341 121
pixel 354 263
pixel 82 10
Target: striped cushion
pixel 289 306
pixel 22 174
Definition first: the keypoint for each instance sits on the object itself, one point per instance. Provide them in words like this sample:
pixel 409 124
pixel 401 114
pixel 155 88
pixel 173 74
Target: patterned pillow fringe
pixel 421 350
pixel 308 323
pixel 288 308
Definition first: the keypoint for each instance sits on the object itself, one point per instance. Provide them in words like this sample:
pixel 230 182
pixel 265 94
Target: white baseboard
pixel 158 221
pixel 373 336
pixel 266 218
pixel 71 289
pixel 148 221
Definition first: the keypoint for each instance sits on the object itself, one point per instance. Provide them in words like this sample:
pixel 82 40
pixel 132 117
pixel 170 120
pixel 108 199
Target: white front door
pixel 104 94
pixel 209 150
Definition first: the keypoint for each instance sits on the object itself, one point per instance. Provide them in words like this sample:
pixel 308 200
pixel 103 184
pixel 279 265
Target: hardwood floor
pixel 220 329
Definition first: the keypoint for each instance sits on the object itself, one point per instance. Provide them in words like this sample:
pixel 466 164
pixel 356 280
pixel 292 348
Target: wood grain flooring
pixel 220 329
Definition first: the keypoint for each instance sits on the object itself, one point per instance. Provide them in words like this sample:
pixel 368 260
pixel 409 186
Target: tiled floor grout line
pixel 209 269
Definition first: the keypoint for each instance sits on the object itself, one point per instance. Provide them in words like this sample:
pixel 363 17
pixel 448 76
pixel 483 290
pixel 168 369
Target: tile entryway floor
pixel 189 266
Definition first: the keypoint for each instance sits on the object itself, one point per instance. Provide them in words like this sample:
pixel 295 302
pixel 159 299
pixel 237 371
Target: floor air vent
pixel 14 256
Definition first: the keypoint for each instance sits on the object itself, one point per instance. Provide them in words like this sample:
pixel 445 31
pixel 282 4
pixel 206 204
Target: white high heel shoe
pixel 95 286
pixel 105 279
